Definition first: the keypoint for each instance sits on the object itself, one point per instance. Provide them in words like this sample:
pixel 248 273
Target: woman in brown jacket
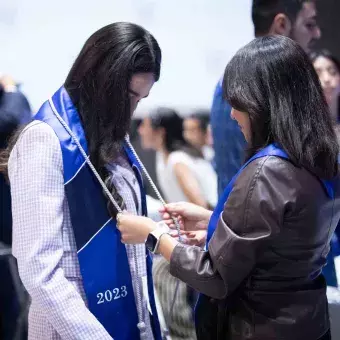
pixel 260 275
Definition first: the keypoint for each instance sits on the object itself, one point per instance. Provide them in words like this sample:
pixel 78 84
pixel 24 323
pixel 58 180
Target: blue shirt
pixel 229 143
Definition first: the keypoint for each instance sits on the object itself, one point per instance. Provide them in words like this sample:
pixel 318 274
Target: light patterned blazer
pixel 44 244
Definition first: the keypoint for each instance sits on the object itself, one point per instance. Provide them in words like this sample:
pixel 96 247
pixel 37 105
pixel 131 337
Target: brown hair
pixel 5 153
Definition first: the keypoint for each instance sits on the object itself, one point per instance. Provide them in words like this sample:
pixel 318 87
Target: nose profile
pixel 317 33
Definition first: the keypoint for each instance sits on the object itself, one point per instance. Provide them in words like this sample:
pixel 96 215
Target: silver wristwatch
pixel 152 242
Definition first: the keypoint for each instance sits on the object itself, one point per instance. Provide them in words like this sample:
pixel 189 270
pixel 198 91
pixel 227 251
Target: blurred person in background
pixel 14 111
pixel 183 175
pixel 66 170
pixel 182 172
pixel 148 158
pixel 196 132
pixel 296 19
pixel 327 67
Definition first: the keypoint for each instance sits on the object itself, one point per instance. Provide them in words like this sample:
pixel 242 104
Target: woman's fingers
pixel 174 208
pixel 172 225
pixel 166 216
pixel 175 232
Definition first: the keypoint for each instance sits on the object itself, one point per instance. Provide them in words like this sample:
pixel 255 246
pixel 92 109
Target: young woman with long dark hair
pixel 268 239
pixel 84 283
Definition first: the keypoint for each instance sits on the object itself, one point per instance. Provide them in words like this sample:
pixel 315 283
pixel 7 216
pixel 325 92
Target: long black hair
pixel 98 83
pixel 273 80
pixel 172 123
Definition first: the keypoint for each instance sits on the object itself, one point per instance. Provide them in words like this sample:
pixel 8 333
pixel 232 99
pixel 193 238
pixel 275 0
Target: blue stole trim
pixel 102 257
pixel 270 150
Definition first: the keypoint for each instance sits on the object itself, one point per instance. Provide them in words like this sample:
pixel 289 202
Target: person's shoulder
pixel 220 108
pixel 37 147
pixel 219 84
pixel 180 156
pixel 37 129
pixel 36 136
pixel 282 174
pixel 269 166
pixel 267 171
pixel 218 89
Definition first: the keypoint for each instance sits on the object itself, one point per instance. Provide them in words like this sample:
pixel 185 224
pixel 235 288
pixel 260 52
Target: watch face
pixel 151 242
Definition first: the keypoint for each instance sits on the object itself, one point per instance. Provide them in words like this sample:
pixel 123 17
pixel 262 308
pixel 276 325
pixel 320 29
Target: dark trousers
pixel 327 336
pixel 13 312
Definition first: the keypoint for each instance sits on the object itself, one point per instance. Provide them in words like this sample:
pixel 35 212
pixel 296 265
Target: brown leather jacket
pixel 262 270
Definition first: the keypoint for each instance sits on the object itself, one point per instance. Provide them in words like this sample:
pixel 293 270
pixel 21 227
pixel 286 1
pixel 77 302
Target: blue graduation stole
pixel 102 257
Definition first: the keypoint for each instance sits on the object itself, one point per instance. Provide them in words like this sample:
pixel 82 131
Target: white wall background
pixel 40 39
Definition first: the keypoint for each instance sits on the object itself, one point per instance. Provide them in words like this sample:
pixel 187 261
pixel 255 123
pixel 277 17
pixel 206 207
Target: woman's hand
pixel 134 229
pixel 191 217
pixel 191 238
